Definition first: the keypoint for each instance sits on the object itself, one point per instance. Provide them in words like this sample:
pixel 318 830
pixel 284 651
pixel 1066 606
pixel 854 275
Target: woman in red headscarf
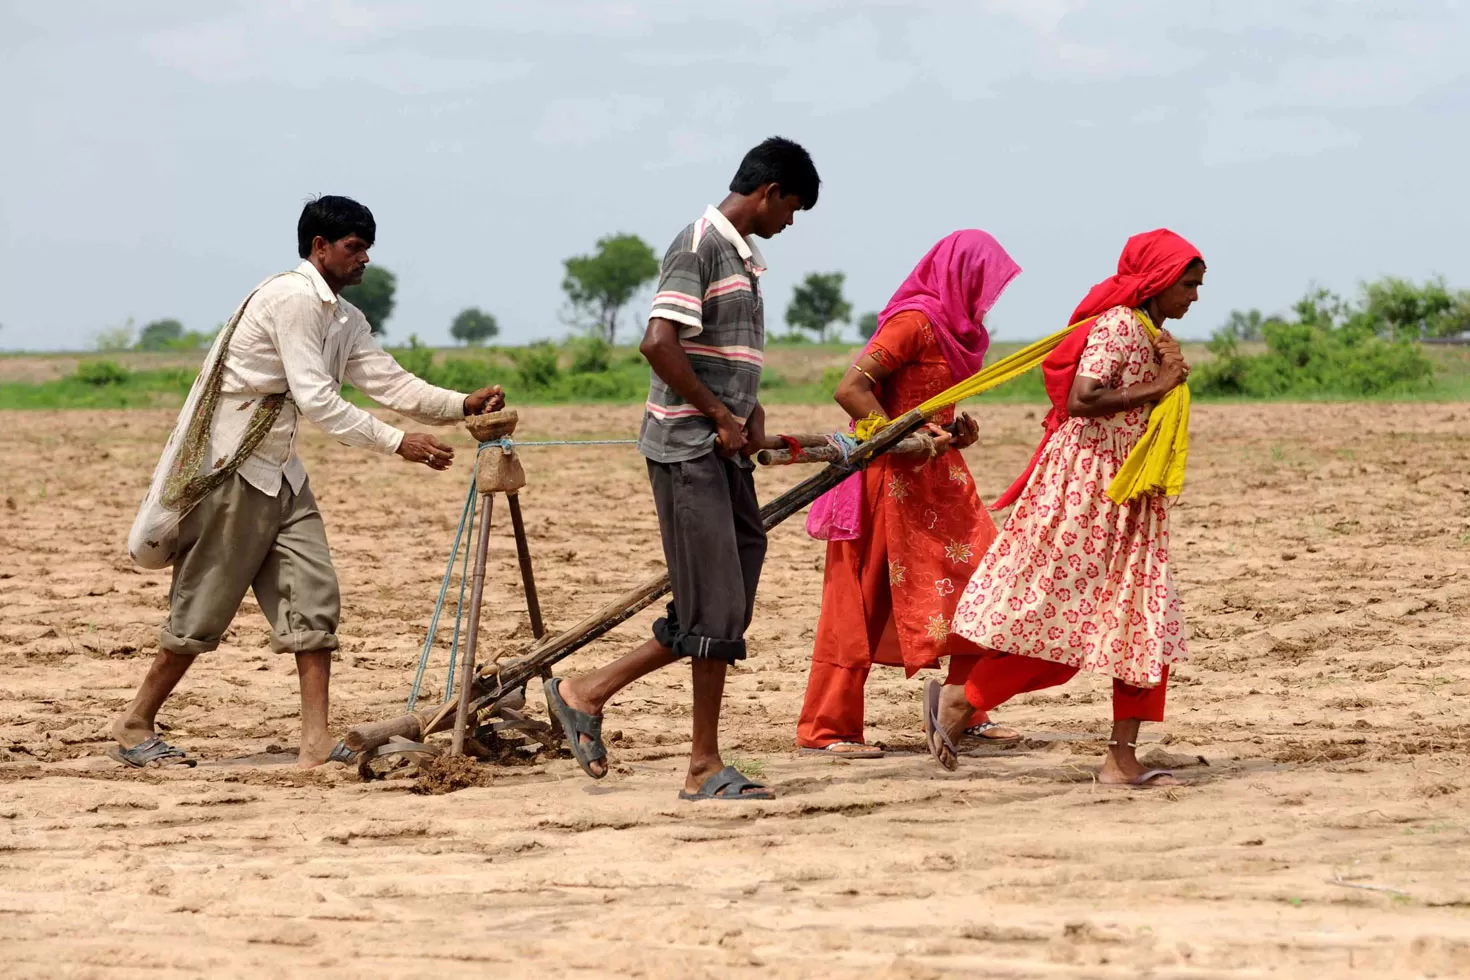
pixel 905 534
pixel 1075 581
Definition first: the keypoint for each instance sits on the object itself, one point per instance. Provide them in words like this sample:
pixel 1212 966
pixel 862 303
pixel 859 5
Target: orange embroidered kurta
pixel 924 531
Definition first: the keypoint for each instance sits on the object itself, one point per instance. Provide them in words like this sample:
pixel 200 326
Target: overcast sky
pixel 156 154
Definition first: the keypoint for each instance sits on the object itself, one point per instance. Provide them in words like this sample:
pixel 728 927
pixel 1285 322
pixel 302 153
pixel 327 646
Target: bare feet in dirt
pixel 314 751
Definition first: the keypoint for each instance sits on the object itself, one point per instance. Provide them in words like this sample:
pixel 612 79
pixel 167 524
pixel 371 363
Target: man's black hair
pixel 334 218
pixel 784 163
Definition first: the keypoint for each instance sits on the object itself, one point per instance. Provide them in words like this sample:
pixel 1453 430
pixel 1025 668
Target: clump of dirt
pixel 1329 751
pixel 1159 759
pixel 447 773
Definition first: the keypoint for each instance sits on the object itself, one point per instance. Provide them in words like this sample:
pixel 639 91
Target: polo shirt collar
pixel 743 245
pixel 323 291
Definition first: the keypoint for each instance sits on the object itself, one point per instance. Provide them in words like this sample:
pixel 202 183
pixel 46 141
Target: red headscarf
pixel 1150 263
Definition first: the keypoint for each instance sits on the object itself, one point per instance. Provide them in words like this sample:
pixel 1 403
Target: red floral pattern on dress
pixel 1073 577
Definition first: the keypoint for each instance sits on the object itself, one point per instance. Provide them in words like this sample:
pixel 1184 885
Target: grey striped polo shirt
pixel 710 287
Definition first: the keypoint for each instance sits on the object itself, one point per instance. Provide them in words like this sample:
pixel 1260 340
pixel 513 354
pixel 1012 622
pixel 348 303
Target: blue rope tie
pixel 845 444
pixel 510 445
pixel 466 515
pixel 466 532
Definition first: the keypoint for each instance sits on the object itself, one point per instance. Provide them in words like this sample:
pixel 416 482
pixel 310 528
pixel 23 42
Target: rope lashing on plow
pixel 465 532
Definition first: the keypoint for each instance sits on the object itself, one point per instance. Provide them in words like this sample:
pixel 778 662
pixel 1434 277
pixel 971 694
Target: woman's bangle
pixel 865 374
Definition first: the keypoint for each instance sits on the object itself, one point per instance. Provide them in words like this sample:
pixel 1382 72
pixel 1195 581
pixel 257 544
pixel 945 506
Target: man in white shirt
pixel 231 508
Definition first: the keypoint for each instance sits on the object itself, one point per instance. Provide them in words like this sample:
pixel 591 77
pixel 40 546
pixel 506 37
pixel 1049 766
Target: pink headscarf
pixel 954 286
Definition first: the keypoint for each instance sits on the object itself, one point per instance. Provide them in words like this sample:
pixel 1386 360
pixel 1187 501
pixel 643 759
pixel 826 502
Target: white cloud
pixel 583 121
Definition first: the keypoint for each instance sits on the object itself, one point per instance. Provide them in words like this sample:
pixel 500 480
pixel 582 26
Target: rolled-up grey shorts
pixel 238 538
pixel 714 544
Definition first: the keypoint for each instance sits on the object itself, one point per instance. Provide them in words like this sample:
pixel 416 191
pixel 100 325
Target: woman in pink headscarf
pixel 906 534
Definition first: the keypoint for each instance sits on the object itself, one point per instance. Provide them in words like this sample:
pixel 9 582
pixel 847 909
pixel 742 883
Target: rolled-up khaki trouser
pixel 237 538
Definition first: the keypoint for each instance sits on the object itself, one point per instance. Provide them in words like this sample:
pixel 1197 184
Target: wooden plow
pixel 488 709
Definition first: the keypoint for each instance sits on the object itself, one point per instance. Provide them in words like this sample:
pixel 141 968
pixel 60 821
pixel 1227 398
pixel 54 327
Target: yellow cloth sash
pixel 1156 464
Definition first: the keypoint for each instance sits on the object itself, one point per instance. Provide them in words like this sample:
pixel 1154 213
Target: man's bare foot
pixel 314 751
pixel 1122 768
pixel 572 694
pixel 131 732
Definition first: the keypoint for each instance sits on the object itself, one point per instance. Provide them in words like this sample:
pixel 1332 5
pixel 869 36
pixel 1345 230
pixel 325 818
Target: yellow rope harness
pixel 1156 464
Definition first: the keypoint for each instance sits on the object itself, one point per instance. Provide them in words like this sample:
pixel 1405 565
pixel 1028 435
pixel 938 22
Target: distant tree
pixel 817 303
pixel 472 327
pixel 115 338
pixel 1405 310
pixel 160 335
pixel 868 325
pixel 600 285
pixel 374 296
pixel 1246 326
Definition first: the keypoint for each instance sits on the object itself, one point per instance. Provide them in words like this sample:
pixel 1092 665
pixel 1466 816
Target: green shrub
pixel 415 357
pixel 1310 359
pixel 602 387
pixel 591 355
pixel 537 366
pixel 98 373
pixel 465 373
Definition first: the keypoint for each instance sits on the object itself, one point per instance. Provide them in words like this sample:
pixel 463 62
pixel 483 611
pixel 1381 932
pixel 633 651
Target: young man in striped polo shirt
pixel 705 343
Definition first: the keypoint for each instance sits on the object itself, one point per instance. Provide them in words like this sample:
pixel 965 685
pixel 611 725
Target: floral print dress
pixel 1073 577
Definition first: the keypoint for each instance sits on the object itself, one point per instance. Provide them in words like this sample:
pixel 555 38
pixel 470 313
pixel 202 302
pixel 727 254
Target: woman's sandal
pixel 1144 780
pixel 934 733
pixel 985 729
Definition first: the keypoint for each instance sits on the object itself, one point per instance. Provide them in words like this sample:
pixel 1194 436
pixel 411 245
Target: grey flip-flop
pixel 576 724
pixel 153 751
pixel 860 750
pixel 341 753
pixel 933 729
pixel 728 784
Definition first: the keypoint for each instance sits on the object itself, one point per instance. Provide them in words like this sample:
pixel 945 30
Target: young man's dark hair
pixel 779 161
pixel 334 218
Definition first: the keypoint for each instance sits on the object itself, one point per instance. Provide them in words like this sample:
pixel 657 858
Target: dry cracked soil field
pixel 1322 553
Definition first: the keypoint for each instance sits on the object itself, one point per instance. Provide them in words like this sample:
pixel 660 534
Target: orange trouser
pixel 833 710
pixel 996 678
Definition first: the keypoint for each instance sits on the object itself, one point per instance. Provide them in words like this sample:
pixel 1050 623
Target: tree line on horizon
pixel 1325 342
pixel 598 287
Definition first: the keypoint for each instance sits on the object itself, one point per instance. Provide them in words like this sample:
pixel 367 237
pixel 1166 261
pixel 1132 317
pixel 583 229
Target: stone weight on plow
pixel 496 469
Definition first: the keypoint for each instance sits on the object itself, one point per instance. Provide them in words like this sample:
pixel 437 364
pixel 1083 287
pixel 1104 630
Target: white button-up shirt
pixel 297 336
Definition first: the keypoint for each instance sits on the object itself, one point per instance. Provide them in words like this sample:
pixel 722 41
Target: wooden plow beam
pixel 495 693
